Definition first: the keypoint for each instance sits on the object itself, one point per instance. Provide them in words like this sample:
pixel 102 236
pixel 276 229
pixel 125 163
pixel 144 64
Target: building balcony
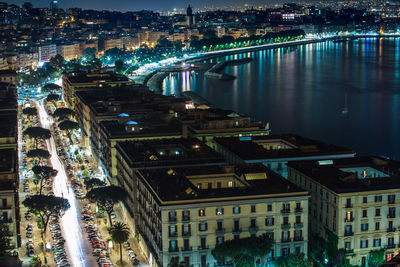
pixel 285 226
pixel 7 207
pixel 349 206
pixel 298 210
pixel 186 219
pixel 202 248
pixel 391 201
pixel 390 246
pixel 175 234
pixel 349 251
pixel 186 233
pixel 186 249
pixel 348 233
pixel 220 231
pixel 298 238
pixel 253 229
pixel 298 225
pixel 172 219
pixel 392 229
pixel 285 240
pixel 173 249
pixel 391 216
pixel 285 211
pixel 349 219
pixel 236 230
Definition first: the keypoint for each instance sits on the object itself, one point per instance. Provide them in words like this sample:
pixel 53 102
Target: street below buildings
pixel 78 247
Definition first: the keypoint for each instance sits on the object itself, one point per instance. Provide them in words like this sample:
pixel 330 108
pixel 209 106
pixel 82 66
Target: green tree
pixel 38 154
pixel 30 112
pixel 91 183
pixel 43 173
pixel 106 197
pixel 119 234
pixel 37 133
pixel 174 262
pixel 63 113
pixel 5 240
pixel 119 66
pixel 57 62
pixel 68 126
pixel 89 53
pixel 163 42
pixel 53 98
pixel 243 251
pixel 376 257
pixel 292 260
pixel 46 207
pixel 51 87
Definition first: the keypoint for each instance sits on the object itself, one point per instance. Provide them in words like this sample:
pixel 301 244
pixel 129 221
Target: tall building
pixel 53 5
pixel 9 200
pixel 186 211
pixel 355 200
pixel 275 151
pixel 74 82
pixel 190 19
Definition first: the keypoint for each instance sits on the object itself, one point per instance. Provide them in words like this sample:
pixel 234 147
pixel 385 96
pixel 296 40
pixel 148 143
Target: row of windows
pixel 365 227
pixel 172 215
pixel 203 226
pixel 391 214
pixel 378 198
pixel 377 242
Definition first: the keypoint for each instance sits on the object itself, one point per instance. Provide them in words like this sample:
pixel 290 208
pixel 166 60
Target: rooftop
pixel 278 146
pixel 83 77
pixel 352 174
pixel 167 152
pixel 252 180
pixel 148 127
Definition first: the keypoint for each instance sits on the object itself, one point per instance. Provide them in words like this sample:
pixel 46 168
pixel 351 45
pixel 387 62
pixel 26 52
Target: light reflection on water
pixel 302 90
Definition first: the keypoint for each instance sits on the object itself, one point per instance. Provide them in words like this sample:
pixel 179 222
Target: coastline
pixel 154 81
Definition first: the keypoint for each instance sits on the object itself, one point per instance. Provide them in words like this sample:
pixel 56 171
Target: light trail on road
pixel 79 251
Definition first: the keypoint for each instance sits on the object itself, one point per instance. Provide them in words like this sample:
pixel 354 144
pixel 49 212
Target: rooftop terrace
pixel 352 174
pixel 254 180
pixel 278 146
pixel 167 152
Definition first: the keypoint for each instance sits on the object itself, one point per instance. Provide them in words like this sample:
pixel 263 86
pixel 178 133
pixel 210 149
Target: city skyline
pixel 126 5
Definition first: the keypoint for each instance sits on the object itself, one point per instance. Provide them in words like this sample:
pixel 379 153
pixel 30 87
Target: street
pixel 78 248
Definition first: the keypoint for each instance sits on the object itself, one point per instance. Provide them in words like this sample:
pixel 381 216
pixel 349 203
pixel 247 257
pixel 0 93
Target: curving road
pixel 78 247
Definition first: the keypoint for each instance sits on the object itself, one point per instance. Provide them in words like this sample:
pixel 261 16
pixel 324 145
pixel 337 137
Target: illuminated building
pixel 354 201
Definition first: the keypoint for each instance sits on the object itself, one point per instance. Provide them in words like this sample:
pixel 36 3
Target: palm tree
pixel 120 234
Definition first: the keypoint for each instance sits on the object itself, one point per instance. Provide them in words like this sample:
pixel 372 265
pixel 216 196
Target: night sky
pixel 134 5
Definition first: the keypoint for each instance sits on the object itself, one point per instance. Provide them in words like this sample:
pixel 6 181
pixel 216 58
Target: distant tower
pixel 189 16
pixel 53 5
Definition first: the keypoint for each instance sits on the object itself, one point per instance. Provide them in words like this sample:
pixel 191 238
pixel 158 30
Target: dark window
pixel 269 207
pixel 253 208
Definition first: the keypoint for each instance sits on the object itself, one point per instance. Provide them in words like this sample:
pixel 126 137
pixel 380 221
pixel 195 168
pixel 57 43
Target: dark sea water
pixel 304 90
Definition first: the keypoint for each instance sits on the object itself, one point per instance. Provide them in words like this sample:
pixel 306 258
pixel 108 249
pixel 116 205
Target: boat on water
pixel 345 110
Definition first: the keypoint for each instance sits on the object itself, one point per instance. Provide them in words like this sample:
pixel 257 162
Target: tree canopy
pixel 376 257
pixel 29 111
pixel 51 87
pixel 52 98
pixel 38 154
pixel 43 173
pixel 106 197
pixel 89 53
pixel 63 113
pixel 292 260
pixel 91 183
pixel 119 234
pixel 46 207
pixel 37 133
pixel 57 62
pixel 244 250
